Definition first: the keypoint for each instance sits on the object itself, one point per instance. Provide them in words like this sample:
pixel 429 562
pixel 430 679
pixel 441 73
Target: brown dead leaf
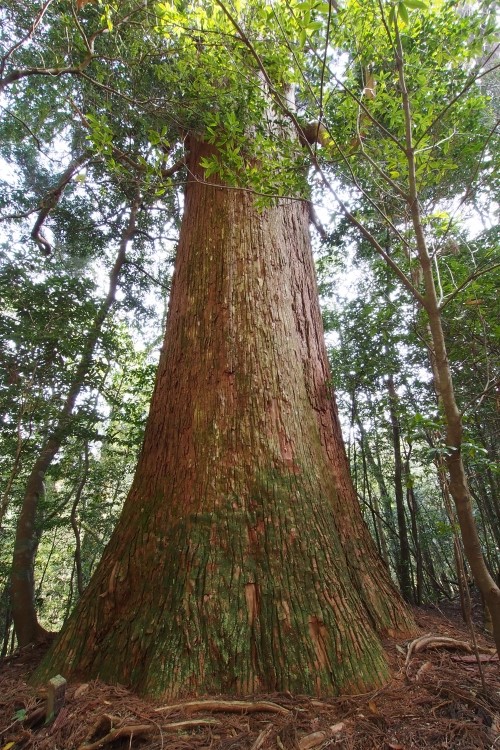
pixel 426 667
pixel 312 740
pixel 373 707
pixel 82 3
pixel 338 727
pixel 81 690
pixel 318 738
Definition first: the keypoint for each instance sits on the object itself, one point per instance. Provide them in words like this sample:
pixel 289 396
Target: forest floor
pixel 435 699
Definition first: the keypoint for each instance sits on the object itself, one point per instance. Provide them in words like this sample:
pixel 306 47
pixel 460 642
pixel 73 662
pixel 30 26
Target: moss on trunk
pixel 241 562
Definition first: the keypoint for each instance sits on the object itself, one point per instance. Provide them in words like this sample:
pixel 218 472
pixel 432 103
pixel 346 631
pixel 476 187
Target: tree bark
pixel 241 562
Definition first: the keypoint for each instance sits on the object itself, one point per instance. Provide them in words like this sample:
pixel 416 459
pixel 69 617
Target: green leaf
pixel 154 137
pixel 403 12
pixel 415 4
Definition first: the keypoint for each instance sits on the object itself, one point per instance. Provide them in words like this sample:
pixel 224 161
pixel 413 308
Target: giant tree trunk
pixel 241 562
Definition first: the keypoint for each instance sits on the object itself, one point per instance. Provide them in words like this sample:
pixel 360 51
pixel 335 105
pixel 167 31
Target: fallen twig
pixel 263 736
pixel 188 724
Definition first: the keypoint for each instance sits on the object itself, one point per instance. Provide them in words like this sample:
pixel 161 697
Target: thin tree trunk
pixel 412 507
pixel 15 469
pixel 374 464
pixel 24 612
pixel 241 562
pixel 488 487
pixel 5 619
pixel 372 499
pixel 403 561
pixel 75 522
pixel 457 483
pixel 374 509
pixel 444 382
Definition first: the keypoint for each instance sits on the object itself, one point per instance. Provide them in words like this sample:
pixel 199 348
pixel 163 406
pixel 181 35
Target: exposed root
pixel 131 730
pixel 237 707
pixel 444 706
pixel 103 725
pixel 436 641
pixel 139 730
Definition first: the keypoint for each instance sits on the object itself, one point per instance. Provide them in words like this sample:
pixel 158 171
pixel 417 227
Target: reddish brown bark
pixel 241 562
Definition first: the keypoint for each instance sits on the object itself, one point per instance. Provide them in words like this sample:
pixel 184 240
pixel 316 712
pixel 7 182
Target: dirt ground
pixel 436 699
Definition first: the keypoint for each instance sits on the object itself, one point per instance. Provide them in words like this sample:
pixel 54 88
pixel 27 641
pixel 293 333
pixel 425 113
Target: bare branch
pixel 51 200
pixel 26 37
pixel 17 75
pixel 478 400
pixel 23 215
pixel 473 276
pixel 27 127
pixel 470 82
pixel 55 72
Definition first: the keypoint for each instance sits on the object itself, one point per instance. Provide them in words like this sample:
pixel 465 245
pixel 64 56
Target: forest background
pixel 396 111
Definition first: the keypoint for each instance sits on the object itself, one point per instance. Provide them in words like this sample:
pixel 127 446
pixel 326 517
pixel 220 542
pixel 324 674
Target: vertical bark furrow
pixel 255 571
